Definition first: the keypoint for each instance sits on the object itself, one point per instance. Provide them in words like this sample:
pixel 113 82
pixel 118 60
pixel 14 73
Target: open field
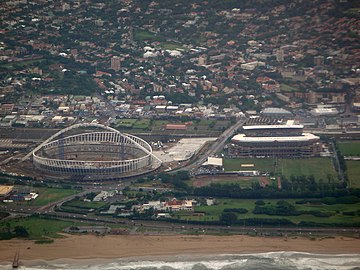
pixel 288 88
pixel 172 46
pixel 212 213
pixel 38 228
pixel 244 182
pixel 22 64
pixel 320 168
pixel 88 205
pixel 260 164
pixel 203 127
pixel 144 35
pixel 49 195
pixel 353 173
pixel 349 148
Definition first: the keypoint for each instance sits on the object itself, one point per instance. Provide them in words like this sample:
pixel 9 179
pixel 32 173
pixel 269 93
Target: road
pixel 216 147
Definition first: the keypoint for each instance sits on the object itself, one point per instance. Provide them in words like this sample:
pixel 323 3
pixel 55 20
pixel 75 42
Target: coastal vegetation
pixel 34 228
pixel 327 212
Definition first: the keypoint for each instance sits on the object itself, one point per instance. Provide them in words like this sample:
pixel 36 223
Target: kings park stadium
pixel 274 141
pixel 94 155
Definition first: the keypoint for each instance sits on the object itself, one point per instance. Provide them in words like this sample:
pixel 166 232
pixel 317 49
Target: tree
pixel 228 218
pixel 20 231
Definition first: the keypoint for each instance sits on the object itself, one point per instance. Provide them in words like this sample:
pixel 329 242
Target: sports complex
pixel 94 155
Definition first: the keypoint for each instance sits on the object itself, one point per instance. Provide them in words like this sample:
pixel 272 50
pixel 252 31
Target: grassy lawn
pixel 244 182
pixel 213 212
pixel 49 195
pixel 350 148
pixel 172 46
pixel 260 164
pixel 125 123
pixel 141 35
pixel 38 228
pixel 207 128
pixel 353 173
pixel 142 124
pixel 14 65
pixel 87 205
pixel 288 88
pixel 319 167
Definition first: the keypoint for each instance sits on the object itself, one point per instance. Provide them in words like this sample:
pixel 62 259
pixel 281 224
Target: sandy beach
pixel 106 247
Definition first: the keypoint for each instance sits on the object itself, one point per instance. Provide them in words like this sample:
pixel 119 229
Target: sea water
pixel 260 261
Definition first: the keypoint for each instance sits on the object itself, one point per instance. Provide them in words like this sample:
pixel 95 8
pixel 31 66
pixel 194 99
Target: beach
pixel 126 246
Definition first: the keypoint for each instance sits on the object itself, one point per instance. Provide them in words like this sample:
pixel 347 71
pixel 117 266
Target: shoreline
pixel 91 247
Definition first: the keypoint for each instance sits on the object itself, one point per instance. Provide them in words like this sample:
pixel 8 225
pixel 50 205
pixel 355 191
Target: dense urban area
pixel 197 117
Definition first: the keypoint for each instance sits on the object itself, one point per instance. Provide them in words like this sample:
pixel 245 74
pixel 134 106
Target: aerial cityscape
pixel 229 129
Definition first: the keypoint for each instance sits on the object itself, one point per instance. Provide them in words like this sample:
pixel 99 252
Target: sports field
pixel 349 148
pixel 353 173
pixel 320 168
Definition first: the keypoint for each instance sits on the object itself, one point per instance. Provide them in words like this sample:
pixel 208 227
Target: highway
pixel 216 147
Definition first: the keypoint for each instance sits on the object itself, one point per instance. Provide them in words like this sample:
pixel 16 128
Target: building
pixel 280 55
pixel 115 63
pixel 202 61
pixel 5 190
pixel 274 141
pixel 319 60
pixel 277 113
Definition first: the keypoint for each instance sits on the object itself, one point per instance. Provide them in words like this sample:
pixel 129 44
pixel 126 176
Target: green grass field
pixel 244 182
pixel 49 195
pixel 142 124
pixel 144 35
pixel 203 127
pixel 260 164
pixel 172 46
pixel 38 228
pixel 288 88
pixel 349 148
pixel 87 205
pixel 353 173
pixel 319 167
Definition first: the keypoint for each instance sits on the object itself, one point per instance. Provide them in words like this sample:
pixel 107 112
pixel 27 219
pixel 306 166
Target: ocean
pixel 260 261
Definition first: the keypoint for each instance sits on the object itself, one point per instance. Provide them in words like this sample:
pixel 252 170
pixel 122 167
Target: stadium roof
pixel 273 127
pixel 303 138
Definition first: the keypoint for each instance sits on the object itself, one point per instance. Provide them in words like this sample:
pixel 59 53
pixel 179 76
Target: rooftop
pixel 303 138
pixel 4 190
pixel 273 127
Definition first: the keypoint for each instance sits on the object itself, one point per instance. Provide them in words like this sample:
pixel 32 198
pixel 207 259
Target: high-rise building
pixel 115 63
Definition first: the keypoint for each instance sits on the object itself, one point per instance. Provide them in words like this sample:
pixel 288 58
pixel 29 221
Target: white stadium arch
pixel 137 157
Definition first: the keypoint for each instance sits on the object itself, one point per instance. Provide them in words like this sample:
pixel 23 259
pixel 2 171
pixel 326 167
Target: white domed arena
pixel 103 154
